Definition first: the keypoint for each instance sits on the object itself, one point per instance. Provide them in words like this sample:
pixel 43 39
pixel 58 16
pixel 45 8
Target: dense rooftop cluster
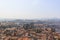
pixel 15 31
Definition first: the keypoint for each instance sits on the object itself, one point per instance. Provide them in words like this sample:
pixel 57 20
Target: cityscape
pixel 29 19
pixel 29 30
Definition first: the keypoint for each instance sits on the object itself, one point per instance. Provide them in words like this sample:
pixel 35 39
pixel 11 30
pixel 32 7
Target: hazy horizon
pixel 29 9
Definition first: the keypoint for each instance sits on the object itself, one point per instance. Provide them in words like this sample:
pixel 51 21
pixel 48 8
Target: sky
pixel 29 9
